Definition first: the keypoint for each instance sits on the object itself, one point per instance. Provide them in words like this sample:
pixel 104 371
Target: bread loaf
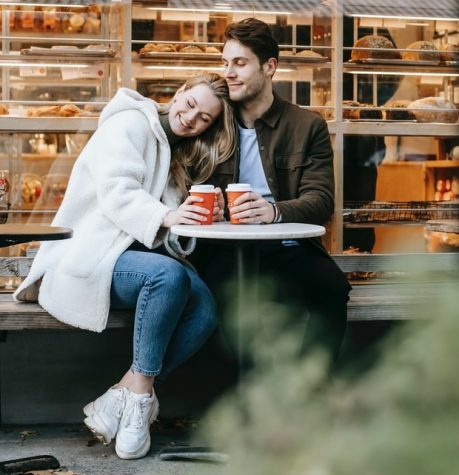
pixel 307 53
pixel 3 110
pixel 351 113
pixel 434 109
pixel 449 52
pixel 376 43
pixel 399 110
pixel 428 52
pixel 212 49
pixel 368 111
pixel 158 48
pixel 69 110
pixel 191 49
pixel 44 111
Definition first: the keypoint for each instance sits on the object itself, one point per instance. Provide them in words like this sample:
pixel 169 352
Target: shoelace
pixel 121 404
pixel 134 414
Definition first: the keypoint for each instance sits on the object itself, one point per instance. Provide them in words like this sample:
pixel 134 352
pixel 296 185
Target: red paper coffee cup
pixel 233 191
pixel 207 193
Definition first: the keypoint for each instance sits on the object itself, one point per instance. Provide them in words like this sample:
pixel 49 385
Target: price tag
pixel 32 71
pixel 94 71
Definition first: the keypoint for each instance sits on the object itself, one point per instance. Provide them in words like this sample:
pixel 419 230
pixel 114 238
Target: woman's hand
pixel 219 205
pixel 187 213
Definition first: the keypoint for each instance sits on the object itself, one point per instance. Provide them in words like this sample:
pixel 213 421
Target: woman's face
pixel 194 111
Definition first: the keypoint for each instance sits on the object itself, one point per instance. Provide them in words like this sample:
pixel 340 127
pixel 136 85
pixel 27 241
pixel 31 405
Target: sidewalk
pixel 78 452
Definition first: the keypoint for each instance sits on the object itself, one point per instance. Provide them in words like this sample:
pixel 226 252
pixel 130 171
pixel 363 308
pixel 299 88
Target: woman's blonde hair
pixel 194 159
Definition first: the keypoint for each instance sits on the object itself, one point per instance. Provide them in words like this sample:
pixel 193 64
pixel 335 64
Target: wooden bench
pixel 407 282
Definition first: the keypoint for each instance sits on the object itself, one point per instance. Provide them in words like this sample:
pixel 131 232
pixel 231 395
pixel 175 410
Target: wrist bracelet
pixel 276 213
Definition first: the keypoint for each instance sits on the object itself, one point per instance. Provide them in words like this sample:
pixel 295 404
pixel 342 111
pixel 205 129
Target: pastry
pixel 3 110
pixel 190 49
pixel 212 49
pixel 69 110
pixel 351 113
pixel 307 53
pixel 398 110
pixel 449 52
pixel 370 112
pixel 428 52
pixel 44 111
pixel 434 109
pixel 158 48
pixel 76 22
pixel 91 26
pixel 96 108
pixel 377 44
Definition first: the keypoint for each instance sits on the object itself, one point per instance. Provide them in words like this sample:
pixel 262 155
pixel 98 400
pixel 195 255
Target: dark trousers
pixel 302 281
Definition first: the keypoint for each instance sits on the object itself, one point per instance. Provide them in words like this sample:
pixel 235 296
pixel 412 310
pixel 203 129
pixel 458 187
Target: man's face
pixel 245 76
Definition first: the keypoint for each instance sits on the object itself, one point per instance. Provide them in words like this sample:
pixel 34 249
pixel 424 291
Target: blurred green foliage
pixel 401 418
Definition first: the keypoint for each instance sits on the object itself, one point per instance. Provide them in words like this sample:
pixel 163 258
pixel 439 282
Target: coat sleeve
pixel 125 156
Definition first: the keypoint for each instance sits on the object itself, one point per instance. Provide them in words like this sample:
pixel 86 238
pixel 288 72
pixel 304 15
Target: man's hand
pixel 219 205
pixel 187 213
pixel 252 208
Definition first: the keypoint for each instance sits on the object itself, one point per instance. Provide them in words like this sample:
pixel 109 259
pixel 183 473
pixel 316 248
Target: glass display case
pixel 172 43
pixel 60 63
pixel 400 127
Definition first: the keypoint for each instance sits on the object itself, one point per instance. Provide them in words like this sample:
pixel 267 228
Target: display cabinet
pixel 400 128
pixel 59 64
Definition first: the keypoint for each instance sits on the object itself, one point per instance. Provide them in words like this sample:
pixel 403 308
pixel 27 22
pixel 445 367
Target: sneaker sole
pixel 99 430
pixel 134 455
pixel 88 410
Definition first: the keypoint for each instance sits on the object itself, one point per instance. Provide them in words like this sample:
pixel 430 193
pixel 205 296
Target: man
pixel 284 152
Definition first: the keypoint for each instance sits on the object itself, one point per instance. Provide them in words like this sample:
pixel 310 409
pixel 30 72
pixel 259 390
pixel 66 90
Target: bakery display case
pixel 173 40
pixel 400 127
pixel 60 63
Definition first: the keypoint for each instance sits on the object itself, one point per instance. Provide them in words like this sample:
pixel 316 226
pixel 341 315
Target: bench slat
pixel 30 316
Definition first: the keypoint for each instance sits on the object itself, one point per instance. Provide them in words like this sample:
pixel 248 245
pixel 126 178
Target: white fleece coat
pixel 118 192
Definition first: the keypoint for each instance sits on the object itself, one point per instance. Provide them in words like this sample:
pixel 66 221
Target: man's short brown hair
pixel 256 35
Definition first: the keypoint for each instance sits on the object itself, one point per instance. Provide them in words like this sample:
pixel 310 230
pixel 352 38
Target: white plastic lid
pixel 238 187
pixel 203 188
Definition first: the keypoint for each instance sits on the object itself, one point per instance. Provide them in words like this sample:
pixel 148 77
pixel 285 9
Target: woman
pixel 123 195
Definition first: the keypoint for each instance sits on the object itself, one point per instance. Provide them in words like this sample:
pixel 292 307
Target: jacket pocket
pixel 88 247
pixel 291 161
pixel 225 168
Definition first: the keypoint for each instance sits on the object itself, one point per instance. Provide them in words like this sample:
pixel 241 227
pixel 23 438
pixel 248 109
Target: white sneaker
pixel 104 414
pixel 133 437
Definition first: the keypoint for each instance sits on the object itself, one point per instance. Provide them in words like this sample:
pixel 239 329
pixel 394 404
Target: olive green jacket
pixel 297 159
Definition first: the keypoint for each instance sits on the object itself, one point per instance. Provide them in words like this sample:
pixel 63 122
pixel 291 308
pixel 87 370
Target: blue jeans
pixel 174 309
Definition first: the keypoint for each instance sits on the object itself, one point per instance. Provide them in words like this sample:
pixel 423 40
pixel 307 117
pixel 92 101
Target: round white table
pixel 246 237
pixel 245 232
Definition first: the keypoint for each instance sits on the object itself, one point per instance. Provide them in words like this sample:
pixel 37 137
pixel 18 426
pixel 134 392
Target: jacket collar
pixel 272 115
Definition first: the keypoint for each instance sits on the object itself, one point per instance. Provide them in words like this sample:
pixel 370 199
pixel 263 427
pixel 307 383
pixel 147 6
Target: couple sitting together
pixel 129 186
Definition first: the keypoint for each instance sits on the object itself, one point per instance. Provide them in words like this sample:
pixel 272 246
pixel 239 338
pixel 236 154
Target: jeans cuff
pixel 145 372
